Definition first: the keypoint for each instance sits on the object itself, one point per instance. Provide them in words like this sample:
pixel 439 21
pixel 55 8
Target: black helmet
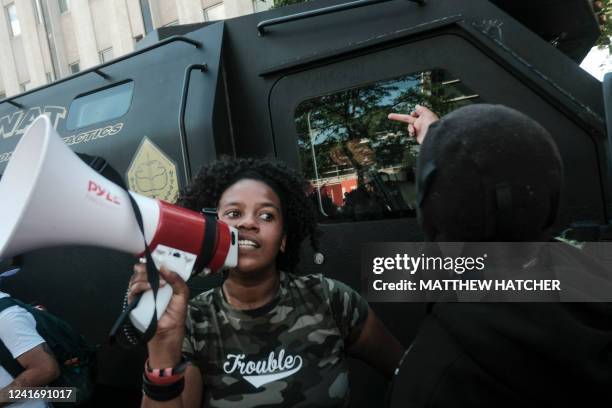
pixel 488 173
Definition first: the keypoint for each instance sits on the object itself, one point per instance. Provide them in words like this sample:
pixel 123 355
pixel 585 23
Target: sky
pixel 597 62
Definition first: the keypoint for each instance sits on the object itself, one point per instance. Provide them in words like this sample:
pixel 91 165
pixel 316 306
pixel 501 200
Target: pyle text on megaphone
pixel 50 197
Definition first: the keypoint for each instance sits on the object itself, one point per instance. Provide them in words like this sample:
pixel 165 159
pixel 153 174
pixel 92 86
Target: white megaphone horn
pixel 50 197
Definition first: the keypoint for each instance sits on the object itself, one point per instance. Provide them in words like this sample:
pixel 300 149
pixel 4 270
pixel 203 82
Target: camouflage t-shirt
pixel 291 353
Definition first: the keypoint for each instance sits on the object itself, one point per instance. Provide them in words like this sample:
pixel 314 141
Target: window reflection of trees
pixel 361 165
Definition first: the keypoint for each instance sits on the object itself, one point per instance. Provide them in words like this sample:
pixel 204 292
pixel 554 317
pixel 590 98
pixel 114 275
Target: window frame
pixel 384 165
pixel 65 8
pixel 255 8
pixel 102 53
pixel 38 12
pixel 214 6
pixel 14 25
pixel 76 63
pixel 93 92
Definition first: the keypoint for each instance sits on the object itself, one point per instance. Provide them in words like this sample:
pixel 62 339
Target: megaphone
pixel 50 197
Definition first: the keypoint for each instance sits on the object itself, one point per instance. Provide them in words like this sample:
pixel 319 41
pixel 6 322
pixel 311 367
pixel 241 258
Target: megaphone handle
pixel 143 312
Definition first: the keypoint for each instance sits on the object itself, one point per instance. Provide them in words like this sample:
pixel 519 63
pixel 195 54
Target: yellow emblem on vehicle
pixel 152 173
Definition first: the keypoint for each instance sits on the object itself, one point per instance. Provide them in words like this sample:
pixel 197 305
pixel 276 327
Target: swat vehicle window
pixel 100 106
pixel 360 164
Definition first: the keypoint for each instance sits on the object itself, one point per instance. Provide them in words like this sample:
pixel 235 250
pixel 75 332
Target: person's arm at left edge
pixel 375 345
pixel 39 364
pixel 40 368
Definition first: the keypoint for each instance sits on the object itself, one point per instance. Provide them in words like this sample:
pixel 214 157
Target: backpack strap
pixel 7 302
pixel 7 361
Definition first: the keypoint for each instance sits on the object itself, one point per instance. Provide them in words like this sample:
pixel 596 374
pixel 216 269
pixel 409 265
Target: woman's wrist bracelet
pixel 165 376
pixel 164 384
pixel 162 392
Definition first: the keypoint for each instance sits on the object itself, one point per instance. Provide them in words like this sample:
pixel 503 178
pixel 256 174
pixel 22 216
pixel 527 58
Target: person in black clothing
pixel 490 173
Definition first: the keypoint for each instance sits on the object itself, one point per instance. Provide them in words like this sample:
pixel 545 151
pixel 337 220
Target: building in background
pixel 43 40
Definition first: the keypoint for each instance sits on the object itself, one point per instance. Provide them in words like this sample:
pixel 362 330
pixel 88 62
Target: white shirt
pixel 19 335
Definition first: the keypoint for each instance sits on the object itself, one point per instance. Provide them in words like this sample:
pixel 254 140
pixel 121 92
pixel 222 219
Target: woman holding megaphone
pixel 266 336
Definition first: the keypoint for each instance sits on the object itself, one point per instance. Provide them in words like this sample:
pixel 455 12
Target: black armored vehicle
pixel 311 84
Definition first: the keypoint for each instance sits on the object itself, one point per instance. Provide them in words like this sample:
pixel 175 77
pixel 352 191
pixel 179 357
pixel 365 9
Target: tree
pixel 603 9
pixel 350 129
pixel 282 3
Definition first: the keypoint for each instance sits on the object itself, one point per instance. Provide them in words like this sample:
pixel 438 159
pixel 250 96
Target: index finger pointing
pixel 401 117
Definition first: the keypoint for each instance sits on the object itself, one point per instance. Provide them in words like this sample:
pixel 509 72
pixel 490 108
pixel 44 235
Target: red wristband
pixel 165 376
